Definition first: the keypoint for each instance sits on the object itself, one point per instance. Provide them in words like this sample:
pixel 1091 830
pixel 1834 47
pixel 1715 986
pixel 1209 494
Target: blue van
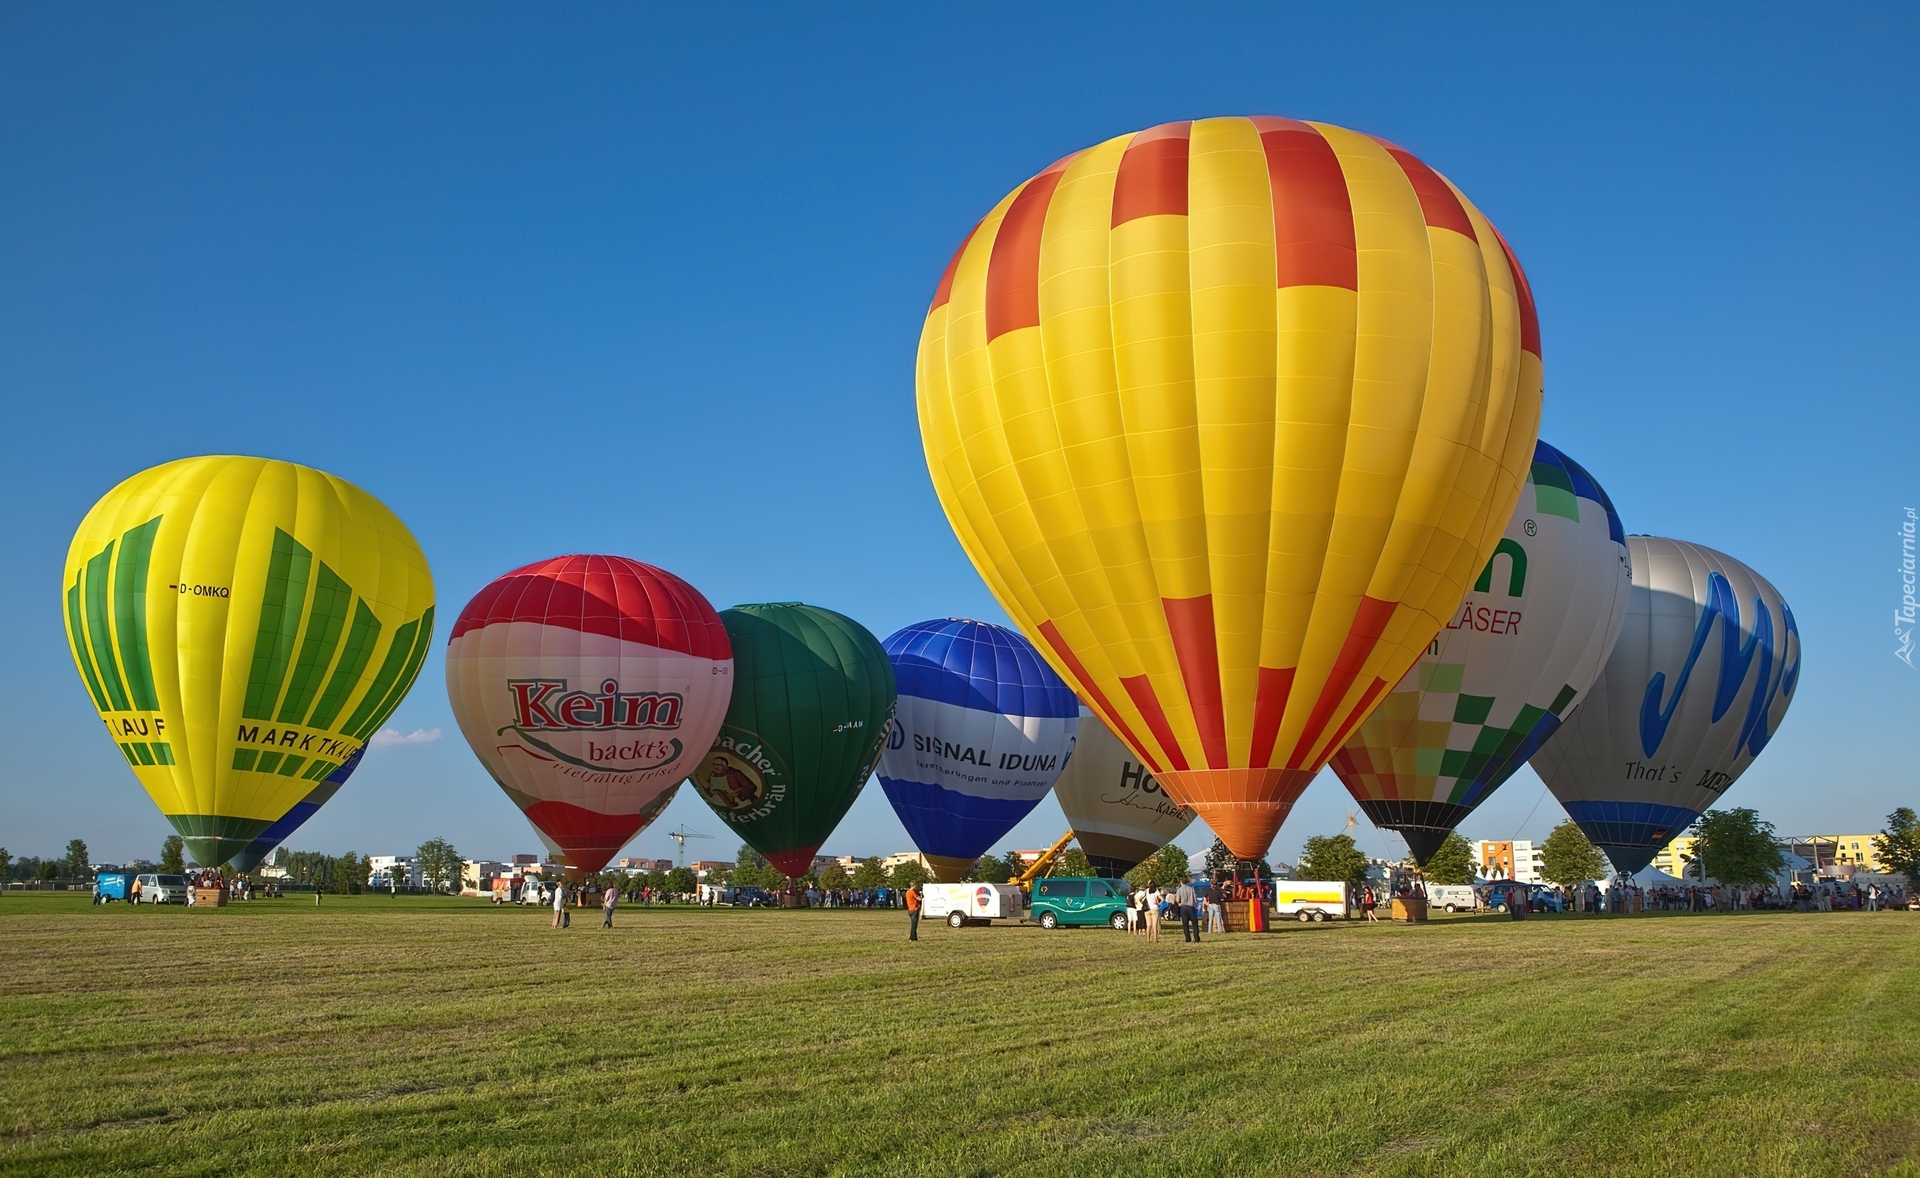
pixel 1083 899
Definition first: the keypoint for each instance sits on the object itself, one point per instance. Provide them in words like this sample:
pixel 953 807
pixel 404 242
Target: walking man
pixel 1185 899
pixel 913 912
pixel 607 901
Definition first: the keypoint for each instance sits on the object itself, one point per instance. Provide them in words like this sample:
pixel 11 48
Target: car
pixel 163 889
pixel 1061 900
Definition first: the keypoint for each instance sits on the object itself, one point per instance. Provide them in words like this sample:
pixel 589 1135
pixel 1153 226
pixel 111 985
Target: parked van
pixel 962 904
pixel 1452 897
pixel 112 885
pixel 1311 899
pixel 163 889
pixel 1083 899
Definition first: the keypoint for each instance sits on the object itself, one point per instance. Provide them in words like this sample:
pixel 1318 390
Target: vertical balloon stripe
pixel 1077 670
pixel 1013 271
pixel 1190 623
pixel 130 612
pixel 99 633
pixel 1312 214
pixel 1523 291
pixel 77 641
pixel 362 637
pixel 331 599
pixel 1437 201
pixel 1152 180
pixel 286 596
pixel 944 291
pixel 1140 690
pixel 1269 709
pixel 398 651
pixel 1369 623
pixel 397 689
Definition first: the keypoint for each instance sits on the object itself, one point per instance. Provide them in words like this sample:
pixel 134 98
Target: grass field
pixel 440 1037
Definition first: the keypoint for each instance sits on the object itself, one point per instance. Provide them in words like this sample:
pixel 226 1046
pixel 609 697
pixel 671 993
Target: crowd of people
pixel 1827 895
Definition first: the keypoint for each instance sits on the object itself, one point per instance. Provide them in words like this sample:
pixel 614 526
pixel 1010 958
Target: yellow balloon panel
pixel 1228 414
pixel 243 626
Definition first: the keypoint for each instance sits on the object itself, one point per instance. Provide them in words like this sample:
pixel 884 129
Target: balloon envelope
pixel 243 626
pixel 812 694
pixel 257 851
pixel 1699 681
pixel 589 686
pixel 1118 811
pixel 1229 414
pixel 982 728
pixel 1511 665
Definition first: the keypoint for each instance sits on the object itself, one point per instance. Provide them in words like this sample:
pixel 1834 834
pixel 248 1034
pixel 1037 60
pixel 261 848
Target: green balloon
pixel 812 696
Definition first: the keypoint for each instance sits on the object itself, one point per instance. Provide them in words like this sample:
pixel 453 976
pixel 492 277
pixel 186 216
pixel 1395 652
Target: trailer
pixel 962 904
pixel 1311 900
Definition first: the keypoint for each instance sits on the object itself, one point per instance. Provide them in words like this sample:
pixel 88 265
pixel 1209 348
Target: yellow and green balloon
pixel 243 626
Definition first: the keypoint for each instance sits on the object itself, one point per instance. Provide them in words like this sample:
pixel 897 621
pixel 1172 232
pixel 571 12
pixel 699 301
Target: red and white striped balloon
pixel 589 687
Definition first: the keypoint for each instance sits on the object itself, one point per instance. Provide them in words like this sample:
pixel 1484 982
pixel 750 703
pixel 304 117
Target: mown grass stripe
pixel 362 637
pixel 422 640
pixel 77 639
pixel 332 598
pixel 99 634
pixel 130 612
pixel 286 596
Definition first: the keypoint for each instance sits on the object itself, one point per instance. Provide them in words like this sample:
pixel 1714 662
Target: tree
pixel 49 870
pixel 990 870
pixel 1167 867
pixel 905 875
pixel 1331 857
pixel 349 875
pixel 1453 862
pixel 439 863
pixel 6 862
pixel 834 877
pixel 656 881
pixel 1736 847
pixel 681 881
pixel 78 862
pixel 173 855
pixel 1072 861
pixel 1221 861
pixel 1897 846
pixel 1014 863
pixel 1567 858
pixel 870 874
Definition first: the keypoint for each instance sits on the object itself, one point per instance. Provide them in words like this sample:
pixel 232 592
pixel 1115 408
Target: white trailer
pixel 1308 900
pixel 962 904
pixel 1452 897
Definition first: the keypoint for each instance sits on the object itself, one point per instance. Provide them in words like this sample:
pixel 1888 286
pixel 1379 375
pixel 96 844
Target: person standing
pixel 1187 901
pixel 913 912
pixel 559 904
pixel 1216 912
pixel 1150 909
pixel 607 901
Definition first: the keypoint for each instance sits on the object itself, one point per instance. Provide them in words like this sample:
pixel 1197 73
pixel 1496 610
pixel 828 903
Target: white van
pixel 163 889
pixel 1452 897
pixel 1311 899
pixel 962 904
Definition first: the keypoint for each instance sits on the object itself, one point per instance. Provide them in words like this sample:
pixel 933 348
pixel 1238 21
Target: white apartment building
pixel 1517 859
pixel 385 867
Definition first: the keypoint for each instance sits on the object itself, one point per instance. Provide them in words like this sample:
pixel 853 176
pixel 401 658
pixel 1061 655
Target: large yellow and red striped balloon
pixel 1228 414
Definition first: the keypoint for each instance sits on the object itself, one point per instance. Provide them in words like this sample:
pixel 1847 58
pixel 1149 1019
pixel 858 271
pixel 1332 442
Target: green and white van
pixel 1079 899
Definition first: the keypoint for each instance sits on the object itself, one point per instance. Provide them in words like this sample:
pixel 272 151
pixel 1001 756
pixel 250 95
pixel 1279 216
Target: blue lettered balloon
pixel 982 729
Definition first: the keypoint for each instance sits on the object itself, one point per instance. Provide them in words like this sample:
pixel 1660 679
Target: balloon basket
pixel 1245 916
pixel 1410 909
pixel 209 897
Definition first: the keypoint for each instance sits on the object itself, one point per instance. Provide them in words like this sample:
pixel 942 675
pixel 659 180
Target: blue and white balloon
pixel 982 729
pixel 1697 684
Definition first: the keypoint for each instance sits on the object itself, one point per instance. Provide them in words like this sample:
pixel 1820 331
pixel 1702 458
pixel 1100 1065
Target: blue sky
pixel 597 278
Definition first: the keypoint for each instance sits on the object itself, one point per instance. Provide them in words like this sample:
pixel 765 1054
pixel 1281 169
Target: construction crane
pixel 681 836
pixel 1039 866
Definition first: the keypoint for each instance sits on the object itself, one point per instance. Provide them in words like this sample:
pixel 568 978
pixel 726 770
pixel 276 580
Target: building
pixel 899 857
pixel 1827 851
pixel 635 865
pixel 477 876
pixel 384 868
pixel 1515 859
pixel 703 866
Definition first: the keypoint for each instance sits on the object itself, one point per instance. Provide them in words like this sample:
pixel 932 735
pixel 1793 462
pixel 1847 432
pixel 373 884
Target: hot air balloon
pixel 1229 414
pixel 243 626
pixel 257 851
pixel 1697 684
pixel 1118 812
pixel 812 695
pixel 589 686
pixel 982 728
pixel 1506 670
